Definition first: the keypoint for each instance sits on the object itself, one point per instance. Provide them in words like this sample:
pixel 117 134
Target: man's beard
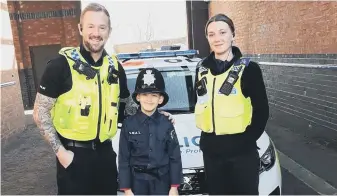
pixel 91 48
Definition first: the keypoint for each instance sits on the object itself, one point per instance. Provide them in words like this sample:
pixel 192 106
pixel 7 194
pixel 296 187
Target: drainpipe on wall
pixel 24 63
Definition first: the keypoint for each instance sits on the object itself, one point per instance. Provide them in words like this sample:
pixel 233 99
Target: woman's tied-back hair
pixel 95 7
pixel 223 18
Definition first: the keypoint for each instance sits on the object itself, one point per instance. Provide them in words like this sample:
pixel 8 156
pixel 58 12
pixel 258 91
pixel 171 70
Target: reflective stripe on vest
pixel 220 113
pixel 96 95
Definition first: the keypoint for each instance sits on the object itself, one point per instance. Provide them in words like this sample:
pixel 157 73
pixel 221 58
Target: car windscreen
pixel 179 85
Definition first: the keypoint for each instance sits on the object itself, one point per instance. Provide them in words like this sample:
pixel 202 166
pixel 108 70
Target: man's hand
pixel 170 116
pixel 128 192
pixel 65 157
pixel 130 106
pixel 173 191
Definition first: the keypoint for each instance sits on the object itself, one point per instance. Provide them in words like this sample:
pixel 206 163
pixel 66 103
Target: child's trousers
pixel 142 185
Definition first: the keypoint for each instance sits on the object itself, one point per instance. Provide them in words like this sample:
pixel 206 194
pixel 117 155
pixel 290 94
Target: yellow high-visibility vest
pixel 221 113
pixel 99 97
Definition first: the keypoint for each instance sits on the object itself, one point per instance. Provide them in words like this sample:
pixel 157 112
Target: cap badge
pixel 149 78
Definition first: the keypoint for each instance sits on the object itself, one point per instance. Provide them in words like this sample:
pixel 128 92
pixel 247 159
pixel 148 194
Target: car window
pixel 179 86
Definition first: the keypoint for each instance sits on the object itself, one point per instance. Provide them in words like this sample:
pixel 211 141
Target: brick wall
pixel 284 30
pixel 36 23
pixel 42 23
pixel 304 100
pixel 12 113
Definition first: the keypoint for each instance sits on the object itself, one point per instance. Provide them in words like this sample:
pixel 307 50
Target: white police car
pixel 178 70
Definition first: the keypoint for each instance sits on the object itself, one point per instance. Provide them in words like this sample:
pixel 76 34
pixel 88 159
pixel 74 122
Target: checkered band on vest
pixel 74 54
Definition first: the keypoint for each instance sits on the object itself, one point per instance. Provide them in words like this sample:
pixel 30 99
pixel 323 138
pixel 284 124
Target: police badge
pixel 149 78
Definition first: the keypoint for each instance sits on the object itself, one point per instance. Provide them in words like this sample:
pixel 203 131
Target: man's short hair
pixel 95 7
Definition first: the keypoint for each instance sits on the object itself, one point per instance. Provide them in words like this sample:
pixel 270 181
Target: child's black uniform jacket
pixel 149 146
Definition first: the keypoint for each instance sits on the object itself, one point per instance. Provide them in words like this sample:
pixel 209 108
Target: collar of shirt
pixel 141 117
pixel 218 66
pixel 87 56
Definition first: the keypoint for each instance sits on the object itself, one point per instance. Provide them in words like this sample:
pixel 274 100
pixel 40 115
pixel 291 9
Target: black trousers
pixel 92 172
pixel 150 186
pixel 237 175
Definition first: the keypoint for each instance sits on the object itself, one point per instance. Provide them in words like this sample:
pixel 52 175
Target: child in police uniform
pixel 149 160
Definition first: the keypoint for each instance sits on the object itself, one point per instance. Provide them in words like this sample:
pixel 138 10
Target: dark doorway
pixel 197 17
pixel 40 55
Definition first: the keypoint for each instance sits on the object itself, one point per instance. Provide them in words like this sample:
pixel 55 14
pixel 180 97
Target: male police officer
pixel 149 152
pixel 76 108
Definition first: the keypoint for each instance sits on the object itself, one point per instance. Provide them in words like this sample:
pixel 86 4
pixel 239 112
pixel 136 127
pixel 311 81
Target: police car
pixel 178 69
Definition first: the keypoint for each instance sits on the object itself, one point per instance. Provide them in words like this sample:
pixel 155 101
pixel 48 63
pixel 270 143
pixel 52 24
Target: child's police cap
pixel 150 80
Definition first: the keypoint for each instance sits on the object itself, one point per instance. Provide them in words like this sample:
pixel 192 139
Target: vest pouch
pixel 63 117
pixel 229 117
pixel 203 117
pixel 83 118
pixel 112 119
pixel 71 123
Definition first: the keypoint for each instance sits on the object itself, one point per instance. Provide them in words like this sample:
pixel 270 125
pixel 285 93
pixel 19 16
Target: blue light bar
pixel 157 54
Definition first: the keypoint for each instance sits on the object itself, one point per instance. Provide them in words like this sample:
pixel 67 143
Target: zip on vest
pixel 100 105
pixel 213 105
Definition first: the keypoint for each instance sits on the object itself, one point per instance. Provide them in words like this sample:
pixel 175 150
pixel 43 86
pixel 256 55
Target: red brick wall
pixel 43 31
pixel 282 27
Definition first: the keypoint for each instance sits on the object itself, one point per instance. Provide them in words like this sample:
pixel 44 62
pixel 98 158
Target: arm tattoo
pixel 42 118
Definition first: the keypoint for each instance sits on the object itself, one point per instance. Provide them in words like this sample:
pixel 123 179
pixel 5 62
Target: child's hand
pixel 128 192
pixel 173 191
pixel 170 116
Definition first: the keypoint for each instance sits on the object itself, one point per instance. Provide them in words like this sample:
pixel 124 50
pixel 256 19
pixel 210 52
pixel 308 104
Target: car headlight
pixel 268 159
pixel 192 182
pixel 186 185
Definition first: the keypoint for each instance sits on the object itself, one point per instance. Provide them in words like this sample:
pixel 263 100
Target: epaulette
pixel 201 68
pixel 200 63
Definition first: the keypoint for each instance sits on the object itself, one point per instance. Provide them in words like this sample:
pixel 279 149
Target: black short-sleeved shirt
pixel 57 80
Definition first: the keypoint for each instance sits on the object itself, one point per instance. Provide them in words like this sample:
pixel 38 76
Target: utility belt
pixel 93 144
pixel 143 169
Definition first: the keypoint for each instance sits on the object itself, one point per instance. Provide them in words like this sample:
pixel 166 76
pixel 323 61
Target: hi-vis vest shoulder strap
pixel 220 113
pixel 237 67
pixel 73 54
pixel 89 110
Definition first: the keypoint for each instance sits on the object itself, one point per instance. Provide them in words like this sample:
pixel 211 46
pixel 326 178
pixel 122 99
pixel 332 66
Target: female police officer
pixel 232 111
